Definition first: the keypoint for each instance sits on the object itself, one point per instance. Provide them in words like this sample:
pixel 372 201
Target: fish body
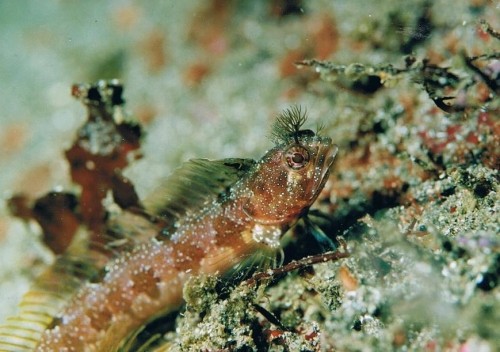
pixel 234 225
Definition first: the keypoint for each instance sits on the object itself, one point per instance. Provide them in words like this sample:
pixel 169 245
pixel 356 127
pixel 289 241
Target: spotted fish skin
pixel 247 219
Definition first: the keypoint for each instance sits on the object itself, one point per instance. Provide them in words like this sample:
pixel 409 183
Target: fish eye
pixel 297 157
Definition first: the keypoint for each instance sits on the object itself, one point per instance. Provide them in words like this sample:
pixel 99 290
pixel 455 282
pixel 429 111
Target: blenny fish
pixel 219 216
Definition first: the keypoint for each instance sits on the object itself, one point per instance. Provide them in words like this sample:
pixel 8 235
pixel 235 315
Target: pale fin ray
pixel 44 301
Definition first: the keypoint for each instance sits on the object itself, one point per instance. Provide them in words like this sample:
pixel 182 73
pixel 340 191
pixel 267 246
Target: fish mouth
pixel 326 156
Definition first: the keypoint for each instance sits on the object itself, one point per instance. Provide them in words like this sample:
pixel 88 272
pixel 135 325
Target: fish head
pixel 289 178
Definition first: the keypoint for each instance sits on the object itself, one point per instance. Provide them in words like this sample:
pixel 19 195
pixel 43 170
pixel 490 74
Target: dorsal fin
pixel 193 184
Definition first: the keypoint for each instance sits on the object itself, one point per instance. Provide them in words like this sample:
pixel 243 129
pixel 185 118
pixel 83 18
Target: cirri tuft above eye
pixel 297 157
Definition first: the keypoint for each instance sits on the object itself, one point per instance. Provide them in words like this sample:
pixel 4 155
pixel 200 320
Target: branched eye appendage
pixel 287 126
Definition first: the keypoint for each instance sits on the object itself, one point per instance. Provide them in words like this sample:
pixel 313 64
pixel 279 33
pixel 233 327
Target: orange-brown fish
pixel 220 214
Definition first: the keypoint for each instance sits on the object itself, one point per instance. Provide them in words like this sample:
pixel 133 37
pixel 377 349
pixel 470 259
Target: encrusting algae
pixel 216 217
